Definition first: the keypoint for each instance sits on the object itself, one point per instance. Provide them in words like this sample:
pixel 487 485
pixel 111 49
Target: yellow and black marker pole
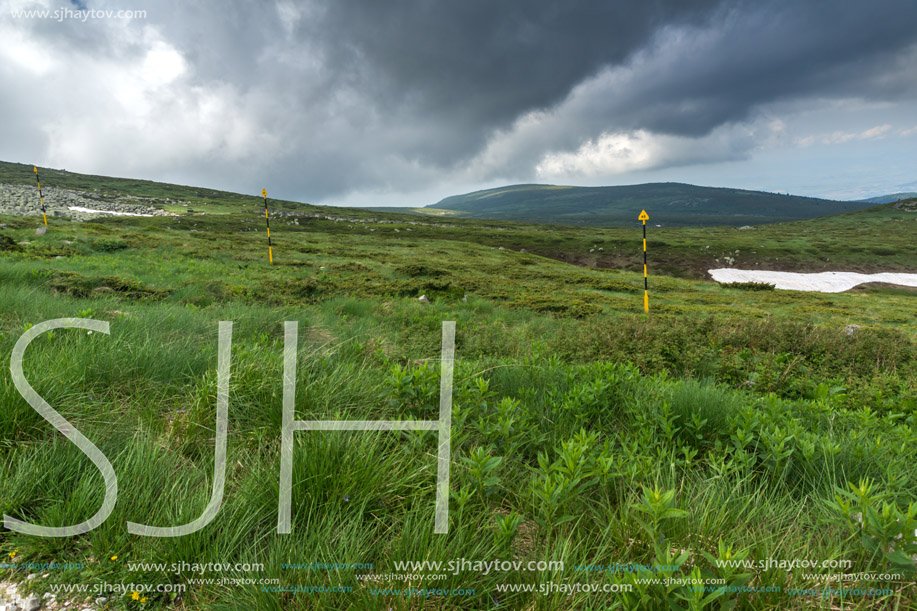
pixel 646 289
pixel 41 197
pixel 270 251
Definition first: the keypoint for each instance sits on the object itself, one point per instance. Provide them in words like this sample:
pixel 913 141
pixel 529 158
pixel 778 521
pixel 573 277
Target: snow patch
pixel 824 282
pixel 90 210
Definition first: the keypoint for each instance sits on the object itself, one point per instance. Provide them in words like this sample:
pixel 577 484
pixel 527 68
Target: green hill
pixel 889 198
pixel 669 204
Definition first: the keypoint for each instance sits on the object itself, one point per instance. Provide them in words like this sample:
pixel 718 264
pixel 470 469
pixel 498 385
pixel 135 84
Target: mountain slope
pixel 668 204
pixel 60 185
pixel 889 198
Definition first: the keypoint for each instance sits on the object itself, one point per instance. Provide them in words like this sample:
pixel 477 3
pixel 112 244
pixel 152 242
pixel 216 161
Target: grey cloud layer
pixel 324 98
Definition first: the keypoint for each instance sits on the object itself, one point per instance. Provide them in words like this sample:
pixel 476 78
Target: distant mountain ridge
pixel 889 198
pixel 670 204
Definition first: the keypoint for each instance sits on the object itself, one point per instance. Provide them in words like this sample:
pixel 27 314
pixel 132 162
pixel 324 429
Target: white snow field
pixel 824 282
pixel 81 209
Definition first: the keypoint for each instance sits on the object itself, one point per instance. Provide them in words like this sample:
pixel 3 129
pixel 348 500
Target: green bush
pixel 108 245
pixel 749 286
pixel 78 285
pixel 419 269
pixel 9 244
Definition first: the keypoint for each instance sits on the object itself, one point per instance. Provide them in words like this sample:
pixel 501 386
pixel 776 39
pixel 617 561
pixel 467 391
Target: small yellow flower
pixel 114 557
pixel 12 554
pixel 135 595
pixel 143 600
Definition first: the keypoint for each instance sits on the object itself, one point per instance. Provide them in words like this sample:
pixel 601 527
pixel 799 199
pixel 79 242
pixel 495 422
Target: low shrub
pixel 108 245
pixel 749 286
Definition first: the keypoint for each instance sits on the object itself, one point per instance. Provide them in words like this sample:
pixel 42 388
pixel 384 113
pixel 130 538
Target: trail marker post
pixel 270 251
pixel 41 197
pixel 646 294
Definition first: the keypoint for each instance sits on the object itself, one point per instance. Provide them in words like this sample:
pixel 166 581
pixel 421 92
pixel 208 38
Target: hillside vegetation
pixel 727 424
pixel 673 204
pixel 892 197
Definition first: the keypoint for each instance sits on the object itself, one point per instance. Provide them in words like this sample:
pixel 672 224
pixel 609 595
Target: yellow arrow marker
pixel 41 197
pixel 270 250
pixel 646 294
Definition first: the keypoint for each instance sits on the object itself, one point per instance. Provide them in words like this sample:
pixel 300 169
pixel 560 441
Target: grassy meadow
pixel 726 424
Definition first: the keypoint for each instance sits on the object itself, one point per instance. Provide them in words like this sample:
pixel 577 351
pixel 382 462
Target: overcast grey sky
pixel 403 102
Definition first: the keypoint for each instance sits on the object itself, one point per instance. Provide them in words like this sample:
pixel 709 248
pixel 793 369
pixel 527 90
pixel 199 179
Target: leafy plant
pixel 884 531
pixel 507 528
pixel 481 467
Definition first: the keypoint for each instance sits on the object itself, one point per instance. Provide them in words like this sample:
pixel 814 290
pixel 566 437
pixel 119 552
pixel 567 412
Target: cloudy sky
pixel 403 102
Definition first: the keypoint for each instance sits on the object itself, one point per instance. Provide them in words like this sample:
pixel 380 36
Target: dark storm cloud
pixel 479 64
pixel 689 81
pixel 451 73
pixel 756 53
pixel 328 97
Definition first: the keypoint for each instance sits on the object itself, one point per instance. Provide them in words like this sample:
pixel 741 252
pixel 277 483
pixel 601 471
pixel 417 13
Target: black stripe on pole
pixel 267 222
pixel 645 285
pixel 41 198
pixel 270 249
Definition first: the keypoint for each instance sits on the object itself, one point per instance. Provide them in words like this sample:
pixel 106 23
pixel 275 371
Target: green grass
pixel 571 407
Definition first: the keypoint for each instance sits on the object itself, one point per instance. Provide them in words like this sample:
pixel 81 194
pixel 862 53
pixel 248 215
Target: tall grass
pixel 580 440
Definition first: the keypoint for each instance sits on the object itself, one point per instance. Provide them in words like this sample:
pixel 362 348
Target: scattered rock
pixel 850 330
pixel 423 299
pixel 101 600
pixel 41 231
pixel 745 227
pixel 78 205
pixel 32 603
